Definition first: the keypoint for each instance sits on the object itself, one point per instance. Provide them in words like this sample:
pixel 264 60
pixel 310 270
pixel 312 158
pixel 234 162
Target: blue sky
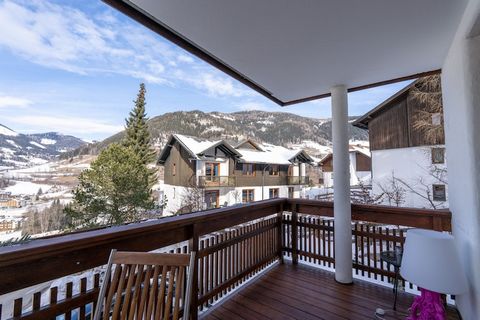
pixel 74 67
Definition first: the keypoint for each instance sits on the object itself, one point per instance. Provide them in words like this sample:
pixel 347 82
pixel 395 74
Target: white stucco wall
pixel 411 165
pixel 461 100
pixel 227 196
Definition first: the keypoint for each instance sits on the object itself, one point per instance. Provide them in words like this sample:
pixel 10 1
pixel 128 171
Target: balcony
pixel 283 248
pixel 298 180
pixel 216 181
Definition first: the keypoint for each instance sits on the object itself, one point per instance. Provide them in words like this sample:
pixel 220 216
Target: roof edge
pixel 129 9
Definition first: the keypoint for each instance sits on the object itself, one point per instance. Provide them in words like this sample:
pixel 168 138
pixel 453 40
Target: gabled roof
pixel 363 121
pixel 196 147
pixel 267 153
pixel 351 149
pixel 250 142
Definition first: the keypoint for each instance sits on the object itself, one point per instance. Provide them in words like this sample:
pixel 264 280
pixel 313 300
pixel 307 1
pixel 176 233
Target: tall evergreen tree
pixel 137 135
pixel 116 189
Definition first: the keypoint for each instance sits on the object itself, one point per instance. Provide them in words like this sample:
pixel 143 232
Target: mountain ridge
pixel 22 150
pixel 279 128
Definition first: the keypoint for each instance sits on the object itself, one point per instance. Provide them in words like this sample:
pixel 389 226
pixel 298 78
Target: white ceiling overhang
pixel 292 51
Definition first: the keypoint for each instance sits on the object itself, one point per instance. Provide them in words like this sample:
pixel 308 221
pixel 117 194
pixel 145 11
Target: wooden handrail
pixel 439 220
pixel 56 257
pixel 51 258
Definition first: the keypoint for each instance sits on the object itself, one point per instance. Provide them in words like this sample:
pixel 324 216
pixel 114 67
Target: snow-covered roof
pixel 267 153
pixel 194 144
pixel 361 147
pixel 270 154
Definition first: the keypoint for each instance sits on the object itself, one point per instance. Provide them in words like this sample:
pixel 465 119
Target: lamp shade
pixel 431 261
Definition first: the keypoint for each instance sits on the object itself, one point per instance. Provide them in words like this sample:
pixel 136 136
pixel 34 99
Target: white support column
pixel 341 186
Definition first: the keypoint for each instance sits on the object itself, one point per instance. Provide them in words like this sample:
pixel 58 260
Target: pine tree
pixel 137 135
pixel 116 189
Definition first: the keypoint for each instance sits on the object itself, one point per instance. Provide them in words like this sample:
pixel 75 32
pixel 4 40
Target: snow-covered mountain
pixel 279 128
pixel 23 150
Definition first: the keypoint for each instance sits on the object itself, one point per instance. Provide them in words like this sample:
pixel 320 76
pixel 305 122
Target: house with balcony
pixel 218 173
pixel 293 52
pixel 404 157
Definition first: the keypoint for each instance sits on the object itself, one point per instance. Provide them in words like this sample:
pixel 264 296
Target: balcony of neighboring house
pixel 298 180
pixel 271 259
pixel 216 181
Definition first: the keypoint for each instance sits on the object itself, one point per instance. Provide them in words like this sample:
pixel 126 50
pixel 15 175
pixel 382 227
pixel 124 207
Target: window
pixel 248 169
pixel 436 119
pixel 273 193
pixel 212 199
pixel 439 192
pixel 174 169
pixel 248 195
pixel 273 170
pixel 438 155
pixel 212 169
pixel 290 192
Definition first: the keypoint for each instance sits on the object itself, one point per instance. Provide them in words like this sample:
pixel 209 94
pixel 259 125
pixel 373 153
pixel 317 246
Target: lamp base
pixel 427 306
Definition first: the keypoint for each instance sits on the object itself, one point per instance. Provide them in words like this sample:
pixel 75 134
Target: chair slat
pixel 118 295
pixel 136 290
pixel 179 286
pixel 111 291
pixel 145 290
pixel 168 304
pixel 153 292
pixel 128 290
pixel 161 295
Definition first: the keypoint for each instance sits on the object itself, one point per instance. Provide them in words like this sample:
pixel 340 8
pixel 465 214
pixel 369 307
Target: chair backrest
pixel 146 286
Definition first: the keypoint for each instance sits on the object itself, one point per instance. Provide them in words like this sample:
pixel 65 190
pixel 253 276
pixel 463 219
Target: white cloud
pixel 63 37
pixel 9 101
pixel 67 125
pixel 185 58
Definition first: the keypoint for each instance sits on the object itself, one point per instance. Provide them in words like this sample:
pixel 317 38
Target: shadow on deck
pixel 303 292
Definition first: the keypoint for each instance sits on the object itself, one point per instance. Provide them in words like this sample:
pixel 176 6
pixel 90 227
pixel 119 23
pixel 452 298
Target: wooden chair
pixel 146 286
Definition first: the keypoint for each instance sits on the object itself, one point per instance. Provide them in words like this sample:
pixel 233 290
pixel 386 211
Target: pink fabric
pixel 428 306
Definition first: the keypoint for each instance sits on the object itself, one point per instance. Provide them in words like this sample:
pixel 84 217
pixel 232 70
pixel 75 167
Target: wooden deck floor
pixel 303 292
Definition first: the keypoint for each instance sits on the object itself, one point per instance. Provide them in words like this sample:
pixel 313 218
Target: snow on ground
pixel 13 144
pixel 46 141
pixel 27 188
pixel 4 236
pixel 265 122
pixel 7 132
pixel 7 152
pixel 223 117
pixel 37 144
pixel 214 128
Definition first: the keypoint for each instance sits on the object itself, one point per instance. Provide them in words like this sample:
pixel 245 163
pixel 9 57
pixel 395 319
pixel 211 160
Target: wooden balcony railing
pixel 233 245
pixel 216 181
pixel 298 180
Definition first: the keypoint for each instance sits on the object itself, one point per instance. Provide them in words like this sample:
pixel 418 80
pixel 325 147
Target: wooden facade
pixel 390 125
pixel 179 168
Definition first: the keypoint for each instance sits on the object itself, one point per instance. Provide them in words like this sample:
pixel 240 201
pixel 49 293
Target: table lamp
pixel 431 261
